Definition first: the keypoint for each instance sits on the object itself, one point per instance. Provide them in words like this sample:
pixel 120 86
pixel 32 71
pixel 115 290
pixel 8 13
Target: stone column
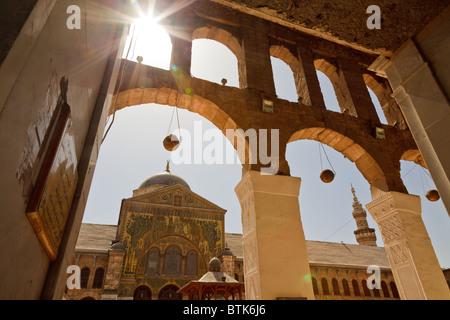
pixel 355 94
pixel 181 59
pixel 181 55
pixel 275 255
pixel 309 83
pixel 257 58
pixel 411 255
pixel 424 102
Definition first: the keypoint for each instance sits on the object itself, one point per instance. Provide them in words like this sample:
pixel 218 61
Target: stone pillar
pixel 356 96
pixel 181 55
pixel 257 58
pixel 181 59
pixel 425 106
pixel 411 255
pixel 113 272
pixel 309 83
pixel 275 255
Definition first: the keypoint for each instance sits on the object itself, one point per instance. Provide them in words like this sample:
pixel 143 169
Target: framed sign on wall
pixel 51 200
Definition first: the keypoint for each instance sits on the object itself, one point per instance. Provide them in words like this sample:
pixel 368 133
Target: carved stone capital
pixel 391 202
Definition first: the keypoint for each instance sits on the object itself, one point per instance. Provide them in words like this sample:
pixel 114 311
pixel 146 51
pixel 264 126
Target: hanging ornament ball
pixel 171 142
pixel 432 195
pixel 327 176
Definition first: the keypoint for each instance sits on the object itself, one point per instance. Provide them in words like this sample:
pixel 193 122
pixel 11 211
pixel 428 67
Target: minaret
pixel 168 166
pixel 364 235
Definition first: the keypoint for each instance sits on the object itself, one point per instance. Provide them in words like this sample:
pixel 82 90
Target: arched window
pixel 150 41
pixel 329 95
pixel 365 288
pixel 98 278
pixel 385 289
pixel 213 61
pixel 335 284
pixel 142 293
pixel 87 298
pixel 394 290
pixel 376 292
pixel 355 286
pixel 324 284
pixel 172 264
pixel 191 263
pixel 284 80
pixel 377 106
pixel 314 284
pixel 346 287
pixel 84 277
pixel 152 262
pixel 170 293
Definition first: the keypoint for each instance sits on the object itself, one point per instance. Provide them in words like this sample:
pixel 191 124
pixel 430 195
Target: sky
pixel 133 151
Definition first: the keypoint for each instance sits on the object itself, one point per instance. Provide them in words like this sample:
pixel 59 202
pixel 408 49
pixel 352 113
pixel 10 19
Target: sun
pixel 149 40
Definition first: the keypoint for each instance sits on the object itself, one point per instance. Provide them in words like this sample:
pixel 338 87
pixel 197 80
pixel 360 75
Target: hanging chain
pixel 320 154
pixel 421 179
pixel 320 157
pixel 175 110
pixel 178 120
pixel 171 120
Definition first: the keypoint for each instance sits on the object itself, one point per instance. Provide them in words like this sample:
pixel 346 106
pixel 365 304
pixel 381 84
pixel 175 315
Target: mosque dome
pixel 164 179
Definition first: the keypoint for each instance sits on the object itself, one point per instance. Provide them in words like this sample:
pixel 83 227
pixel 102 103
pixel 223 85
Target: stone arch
pixel 142 292
pixel 191 102
pixel 169 292
pixel 415 156
pixel 285 55
pixel 330 69
pixel 383 92
pixel 228 40
pixel 351 149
